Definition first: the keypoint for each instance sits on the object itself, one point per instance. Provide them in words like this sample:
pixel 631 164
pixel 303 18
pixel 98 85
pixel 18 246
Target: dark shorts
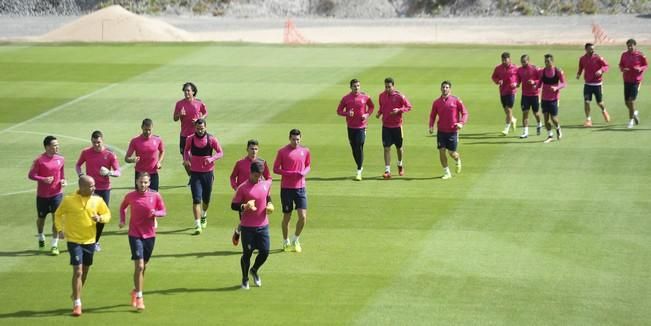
pixel 530 102
pixel 81 254
pixel 47 205
pixel 589 90
pixel 182 144
pixel 356 136
pixel 447 140
pixel 153 179
pixel 293 199
pixel 255 238
pixel 550 107
pixel 141 248
pixel 392 136
pixel 507 100
pixel 630 91
pixel 105 194
pixel 201 186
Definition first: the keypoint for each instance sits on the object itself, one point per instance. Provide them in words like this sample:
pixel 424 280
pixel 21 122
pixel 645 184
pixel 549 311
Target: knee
pixel 77 272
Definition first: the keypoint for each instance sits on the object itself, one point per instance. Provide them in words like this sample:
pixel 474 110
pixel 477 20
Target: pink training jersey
pixel 591 64
pixel 450 111
pixel 547 93
pixel 45 166
pixel 360 104
pixel 529 77
pixel 94 161
pixel 508 76
pixel 148 149
pixel 636 63
pixel 259 192
pixel 391 101
pixel 202 163
pixel 242 171
pixel 145 207
pixel 194 110
pixel 293 164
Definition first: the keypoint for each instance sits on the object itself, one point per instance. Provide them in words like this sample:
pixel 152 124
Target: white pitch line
pixel 17 192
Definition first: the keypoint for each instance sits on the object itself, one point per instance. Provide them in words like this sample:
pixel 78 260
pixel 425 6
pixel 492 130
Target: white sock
pixel 41 237
pixel 539 124
pixel 204 214
pixel 294 238
pixel 508 125
pixel 286 241
pixel 360 171
pixel 399 163
pixel 139 294
pixel 55 242
pixel 635 113
pixel 387 168
pixel 446 170
pixel 588 118
pixel 77 302
pixel 550 134
pixel 458 161
pixel 197 223
pixel 525 131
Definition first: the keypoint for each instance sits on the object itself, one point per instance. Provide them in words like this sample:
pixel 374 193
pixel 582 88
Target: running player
pixel 593 67
pixel 187 111
pixel 392 106
pixel 528 76
pixel 149 152
pixel 452 116
pixel 505 76
pixel 552 80
pixel 633 64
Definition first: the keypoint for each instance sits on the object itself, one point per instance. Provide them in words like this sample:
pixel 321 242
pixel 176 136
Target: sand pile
pixel 116 24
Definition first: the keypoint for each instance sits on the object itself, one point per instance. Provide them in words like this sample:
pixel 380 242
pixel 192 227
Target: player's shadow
pixel 644 16
pixel 480 135
pixel 174 231
pixel 218 253
pixel 324 179
pixel 23 253
pixel 60 312
pixel 195 290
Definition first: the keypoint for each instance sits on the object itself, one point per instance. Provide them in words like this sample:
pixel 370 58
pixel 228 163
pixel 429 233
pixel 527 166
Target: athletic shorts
pixel 141 248
pixel 356 136
pixel 392 136
pixel 530 102
pixel 630 91
pixel 507 100
pixel 81 254
pixel 550 107
pixel 47 205
pixel 182 144
pixel 201 186
pixel 589 90
pixel 105 194
pixel 293 199
pixel 255 238
pixel 153 181
pixel 447 140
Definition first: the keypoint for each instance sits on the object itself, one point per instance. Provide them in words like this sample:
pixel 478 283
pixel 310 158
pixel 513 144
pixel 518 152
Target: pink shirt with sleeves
pixel 194 110
pixel 360 104
pixel 242 171
pixel 145 208
pixel 450 111
pixel 293 164
pixel 94 161
pixel 149 150
pixel 47 166
pixel 508 76
pixel 202 163
pixel 636 63
pixel 259 192
pixel 547 93
pixel 589 65
pixel 529 77
pixel 391 101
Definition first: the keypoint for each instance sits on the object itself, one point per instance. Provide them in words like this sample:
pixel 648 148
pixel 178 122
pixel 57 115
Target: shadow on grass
pixel 125 231
pixel 29 253
pixel 160 187
pixel 61 312
pixel 218 253
pixel 195 290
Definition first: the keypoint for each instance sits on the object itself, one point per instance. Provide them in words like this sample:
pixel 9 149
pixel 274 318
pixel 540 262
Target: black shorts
pixel 356 136
pixel 141 248
pixel 530 102
pixel 447 140
pixel 153 181
pixel 81 254
pixel 201 186
pixel 507 100
pixel 550 107
pixel 47 205
pixel 392 136
pixel 589 90
pixel 182 144
pixel 293 199
pixel 630 91
pixel 105 194
pixel 255 238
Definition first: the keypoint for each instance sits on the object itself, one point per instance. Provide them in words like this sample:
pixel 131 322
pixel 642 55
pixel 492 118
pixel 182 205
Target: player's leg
pixel 587 98
pixel 99 227
pixel 300 200
pixel 386 143
pixel 288 207
pixel 197 196
pixel 248 235
pixel 599 99
pixel 262 243
pixel 400 150
pixel 207 180
pixel 525 106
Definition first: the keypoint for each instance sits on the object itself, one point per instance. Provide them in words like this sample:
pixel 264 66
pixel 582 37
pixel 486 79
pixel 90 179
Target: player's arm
pixel 370 107
pixel 643 64
pixel 186 150
pixel 622 66
pixel 238 203
pixel 432 117
pixel 341 107
pixel 406 106
pixel 561 80
pixel 604 65
pixel 380 109
pixel 265 172
pixel 463 112
pixel 308 167
pixel 278 167
pixel 496 77
pixel 123 211
pixel 177 113
pixel 103 212
pixel 159 207
pixel 161 154
pixel 33 172
pixel 80 161
pixel 203 111
pixel 233 177
pixel 115 167
pixel 60 213
pixel 130 150
pixel 219 153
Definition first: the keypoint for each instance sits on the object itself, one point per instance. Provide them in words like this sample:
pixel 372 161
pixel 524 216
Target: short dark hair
pixel 587 45
pixel 631 41
pixel 146 123
pixel 257 166
pixel 389 80
pixel 47 140
pixel 200 121
pixel 522 57
pixel 294 132
pixel 252 142
pixel 506 55
pixel 192 87
pixel 353 81
pixel 549 56
pixel 446 82
pixel 96 134
pixel 143 174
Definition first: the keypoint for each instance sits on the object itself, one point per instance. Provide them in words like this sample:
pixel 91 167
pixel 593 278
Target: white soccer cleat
pixel 631 124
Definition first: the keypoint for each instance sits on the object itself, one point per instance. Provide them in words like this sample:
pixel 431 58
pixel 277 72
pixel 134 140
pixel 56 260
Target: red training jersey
pixel 45 166
pixel 360 105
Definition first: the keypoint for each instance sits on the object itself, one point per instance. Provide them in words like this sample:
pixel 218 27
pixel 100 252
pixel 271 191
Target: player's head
pixel 354 85
pixel 86 185
pixel 200 127
pixel 97 140
pixel 506 58
pixel 146 127
pixel 631 44
pixel 257 167
pixel 252 148
pixel 143 182
pixel 389 84
pixel 189 89
pixel 51 145
pixel 549 60
pixel 589 48
pixel 294 137
pixel 524 60
pixel 446 87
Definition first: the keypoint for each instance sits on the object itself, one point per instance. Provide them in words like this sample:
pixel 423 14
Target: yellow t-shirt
pixel 74 217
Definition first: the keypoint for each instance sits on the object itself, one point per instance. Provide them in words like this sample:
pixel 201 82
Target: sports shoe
pixel 630 124
pixel 197 230
pixel 505 131
pixel 54 251
pixel 606 115
pixel 538 130
pixel 245 285
pixel 514 123
pixel 358 177
pixel 204 222
pixel 446 176
pixel 587 123
pixel 140 303
pixel 256 278
pixel 523 136
pixel 76 310
pixel 401 170
pixel 41 244
pixel 235 238
pixel 549 139
pixel 559 133
pixel 297 246
pixel 97 247
pixel 386 175
pixel 133 298
pixel 636 117
pixel 458 169
pixel 287 247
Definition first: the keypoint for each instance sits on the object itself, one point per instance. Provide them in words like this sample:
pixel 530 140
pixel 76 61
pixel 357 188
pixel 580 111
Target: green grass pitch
pixel 528 234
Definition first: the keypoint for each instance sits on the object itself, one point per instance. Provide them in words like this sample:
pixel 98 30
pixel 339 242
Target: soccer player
pixel 188 110
pixel 101 164
pixel 149 152
pixel 505 76
pixel 356 106
pixel 146 206
pixel 633 64
pixel 77 217
pixel 200 153
pixel 250 198
pixel 293 164
pixel 552 80
pixel 593 67
pixel 528 76
pixel 47 171
pixel 241 173
pixel 452 116
pixel 392 106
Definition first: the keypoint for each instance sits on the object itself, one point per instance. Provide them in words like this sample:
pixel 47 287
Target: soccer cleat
pixel 235 238
pixel 98 248
pixel 523 136
pixel 505 131
pixel 538 130
pixel 287 247
pixel 636 117
pixel 458 170
pixel 587 123
pixel 549 139
pixel 387 175
pixel 630 124
pixel 204 222
pixel 76 310
pixel 256 278
pixel 41 244
pixel 245 285
pixel 446 176
pixel 559 133
pixel 54 251
pixel 297 246
pixel 197 230
pixel 401 170
pixel 140 303
pixel 358 177
pixel 514 123
pixel 133 298
pixel 606 116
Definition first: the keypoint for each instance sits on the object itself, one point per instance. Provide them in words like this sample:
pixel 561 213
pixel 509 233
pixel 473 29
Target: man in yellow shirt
pixel 76 217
